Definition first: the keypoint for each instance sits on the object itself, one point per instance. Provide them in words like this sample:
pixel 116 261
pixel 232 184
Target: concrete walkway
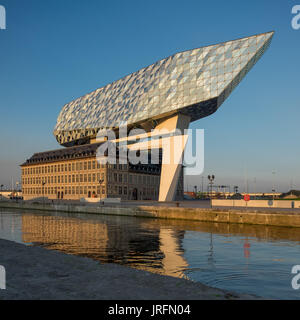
pixel 38 273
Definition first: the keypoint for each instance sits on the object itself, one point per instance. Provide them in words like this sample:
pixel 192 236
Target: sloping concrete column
pixel 172 154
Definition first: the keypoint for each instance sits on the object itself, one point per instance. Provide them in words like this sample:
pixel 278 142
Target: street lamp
pixel 211 178
pixel 100 182
pixel 236 189
pixel 43 183
pixel 273 190
pixel 17 186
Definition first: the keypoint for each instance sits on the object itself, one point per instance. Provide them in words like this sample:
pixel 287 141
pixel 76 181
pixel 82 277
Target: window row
pixel 70 190
pixel 71 166
pixel 74 178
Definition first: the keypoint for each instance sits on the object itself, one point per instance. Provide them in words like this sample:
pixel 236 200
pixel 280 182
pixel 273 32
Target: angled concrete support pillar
pixel 172 153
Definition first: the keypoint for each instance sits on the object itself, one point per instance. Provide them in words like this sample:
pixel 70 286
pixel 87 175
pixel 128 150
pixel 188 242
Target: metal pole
pixel 273 172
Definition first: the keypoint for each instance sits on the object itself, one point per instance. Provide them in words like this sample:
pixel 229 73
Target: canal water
pixel 246 259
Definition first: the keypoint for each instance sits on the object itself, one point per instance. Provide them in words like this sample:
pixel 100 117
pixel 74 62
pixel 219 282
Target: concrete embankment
pixel 36 273
pixel 280 218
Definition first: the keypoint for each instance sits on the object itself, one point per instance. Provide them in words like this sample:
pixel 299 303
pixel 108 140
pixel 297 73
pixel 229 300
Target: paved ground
pixel 37 273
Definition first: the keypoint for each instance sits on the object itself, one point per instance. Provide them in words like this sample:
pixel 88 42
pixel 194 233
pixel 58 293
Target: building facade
pixel 74 173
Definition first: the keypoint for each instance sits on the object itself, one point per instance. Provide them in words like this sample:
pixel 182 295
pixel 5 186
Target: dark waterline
pixel 246 259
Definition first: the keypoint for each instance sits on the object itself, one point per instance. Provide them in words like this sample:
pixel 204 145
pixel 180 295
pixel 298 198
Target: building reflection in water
pixel 137 245
pixel 149 244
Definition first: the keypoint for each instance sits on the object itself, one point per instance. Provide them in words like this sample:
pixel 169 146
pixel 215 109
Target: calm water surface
pixel 246 259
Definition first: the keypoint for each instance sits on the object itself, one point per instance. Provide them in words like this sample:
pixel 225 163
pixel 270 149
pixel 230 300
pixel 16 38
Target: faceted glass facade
pixel 194 82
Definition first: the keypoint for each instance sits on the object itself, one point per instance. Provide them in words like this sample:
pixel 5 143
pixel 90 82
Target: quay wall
pixel 285 219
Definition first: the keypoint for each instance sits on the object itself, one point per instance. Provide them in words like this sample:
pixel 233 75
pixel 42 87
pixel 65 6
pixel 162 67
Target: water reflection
pixel 243 258
pixel 134 243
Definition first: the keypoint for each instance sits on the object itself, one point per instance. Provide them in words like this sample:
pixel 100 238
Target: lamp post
pixel 43 183
pixel 100 182
pixel 17 186
pixel 211 178
pixel 273 189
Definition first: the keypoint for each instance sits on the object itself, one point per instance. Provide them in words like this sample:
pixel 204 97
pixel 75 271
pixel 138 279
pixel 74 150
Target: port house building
pixel 169 94
pixel 74 173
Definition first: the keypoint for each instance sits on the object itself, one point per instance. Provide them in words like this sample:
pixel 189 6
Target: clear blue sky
pixel 55 51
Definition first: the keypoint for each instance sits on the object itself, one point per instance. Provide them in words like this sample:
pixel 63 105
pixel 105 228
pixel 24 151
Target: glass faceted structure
pixel 193 83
